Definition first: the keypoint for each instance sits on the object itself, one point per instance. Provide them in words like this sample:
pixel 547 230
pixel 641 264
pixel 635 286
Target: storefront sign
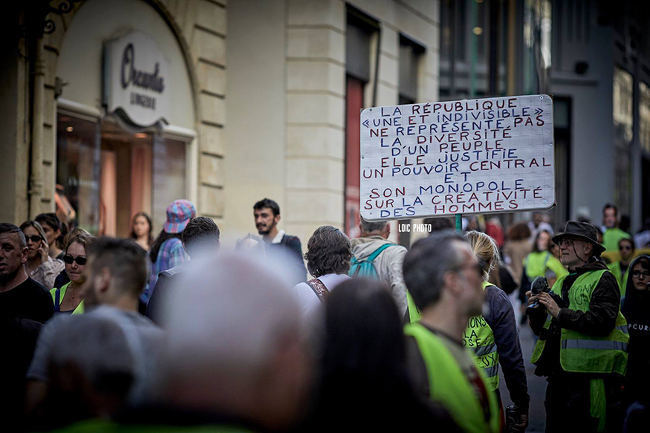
pixel 136 80
pixel 457 157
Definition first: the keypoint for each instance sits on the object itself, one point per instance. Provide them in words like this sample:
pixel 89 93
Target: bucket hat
pixel 179 213
pixel 583 231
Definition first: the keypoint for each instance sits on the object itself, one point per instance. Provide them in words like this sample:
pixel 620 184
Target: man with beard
pixel 267 217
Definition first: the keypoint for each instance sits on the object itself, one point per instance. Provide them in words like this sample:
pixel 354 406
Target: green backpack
pixel 366 267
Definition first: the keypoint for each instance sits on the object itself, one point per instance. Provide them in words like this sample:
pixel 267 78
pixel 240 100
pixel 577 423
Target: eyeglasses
pixel 638 274
pixel 35 238
pixel 565 242
pixel 625 247
pixel 81 260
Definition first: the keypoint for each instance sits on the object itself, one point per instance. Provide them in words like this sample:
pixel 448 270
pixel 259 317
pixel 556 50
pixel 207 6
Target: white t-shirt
pixel 309 301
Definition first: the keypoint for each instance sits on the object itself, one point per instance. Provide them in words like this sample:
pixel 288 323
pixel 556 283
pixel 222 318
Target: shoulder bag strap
pixel 378 251
pixel 319 288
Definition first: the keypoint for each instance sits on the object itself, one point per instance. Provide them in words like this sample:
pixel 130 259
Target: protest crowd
pixel 176 333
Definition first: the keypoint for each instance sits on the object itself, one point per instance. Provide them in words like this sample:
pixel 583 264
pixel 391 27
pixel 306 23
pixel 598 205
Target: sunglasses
pixel 35 238
pixel 625 247
pixel 637 274
pixel 81 260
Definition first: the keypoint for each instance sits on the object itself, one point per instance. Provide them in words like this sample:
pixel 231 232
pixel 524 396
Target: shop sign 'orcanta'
pixel 136 80
pixel 457 157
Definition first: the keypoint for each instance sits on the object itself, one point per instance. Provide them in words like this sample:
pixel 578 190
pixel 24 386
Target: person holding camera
pixel 582 346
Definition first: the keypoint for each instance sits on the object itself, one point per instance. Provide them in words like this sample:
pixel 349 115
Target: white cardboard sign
pixel 457 157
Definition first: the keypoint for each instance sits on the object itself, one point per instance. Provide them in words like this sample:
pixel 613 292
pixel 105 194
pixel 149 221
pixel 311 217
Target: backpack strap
pixel 378 251
pixel 548 256
pixel 57 300
pixel 319 288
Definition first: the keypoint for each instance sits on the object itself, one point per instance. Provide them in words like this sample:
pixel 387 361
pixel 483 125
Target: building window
pixel 410 54
pixel 360 32
pixel 644 117
pixel 623 134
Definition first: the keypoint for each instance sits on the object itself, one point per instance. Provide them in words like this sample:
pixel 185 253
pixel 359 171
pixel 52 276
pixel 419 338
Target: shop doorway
pixel 107 174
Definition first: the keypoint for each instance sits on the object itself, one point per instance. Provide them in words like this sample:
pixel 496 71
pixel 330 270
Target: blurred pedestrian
pixel 115 273
pixel 636 310
pixel 364 381
pixel 54 232
pixel 582 338
pixel 494 229
pixel 473 222
pixel 444 279
pixel 516 248
pixel 251 244
pixel 234 358
pixel 40 266
pixel 142 230
pixel 642 238
pixel 167 250
pixel 541 259
pixel 621 267
pixel 537 224
pixel 267 216
pixel 18 341
pixel 92 367
pixel 438 224
pixel 69 298
pixel 384 257
pixel 201 237
pixel 611 233
pixel 328 260
pixel 20 296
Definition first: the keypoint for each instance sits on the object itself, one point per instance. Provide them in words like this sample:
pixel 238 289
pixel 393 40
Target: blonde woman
pixel 493 336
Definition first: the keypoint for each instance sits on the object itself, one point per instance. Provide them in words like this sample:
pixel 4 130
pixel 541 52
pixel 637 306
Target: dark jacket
pixel 292 245
pixel 598 321
pixel 501 318
pixel 160 292
pixel 636 309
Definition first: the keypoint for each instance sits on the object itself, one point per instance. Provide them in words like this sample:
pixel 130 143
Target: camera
pixel 538 286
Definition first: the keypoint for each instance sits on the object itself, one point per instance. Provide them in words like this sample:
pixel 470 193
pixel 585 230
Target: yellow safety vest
pixel 621 278
pixel 449 386
pixel 80 308
pixel 479 337
pixel 582 353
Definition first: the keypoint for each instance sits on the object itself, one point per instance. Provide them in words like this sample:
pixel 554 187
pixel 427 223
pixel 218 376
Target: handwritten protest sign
pixel 444 158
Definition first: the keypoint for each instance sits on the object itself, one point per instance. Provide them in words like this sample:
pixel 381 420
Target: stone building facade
pixel 259 107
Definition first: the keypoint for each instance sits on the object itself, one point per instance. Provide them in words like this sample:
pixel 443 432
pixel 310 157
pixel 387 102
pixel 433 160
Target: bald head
pixel 235 345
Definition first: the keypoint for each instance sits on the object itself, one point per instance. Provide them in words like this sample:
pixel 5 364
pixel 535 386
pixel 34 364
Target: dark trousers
pixel 568 404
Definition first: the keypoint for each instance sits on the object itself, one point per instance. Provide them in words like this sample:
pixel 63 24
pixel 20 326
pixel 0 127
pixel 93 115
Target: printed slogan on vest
pixel 444 158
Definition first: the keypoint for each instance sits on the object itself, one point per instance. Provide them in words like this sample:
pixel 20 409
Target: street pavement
pixel 536 385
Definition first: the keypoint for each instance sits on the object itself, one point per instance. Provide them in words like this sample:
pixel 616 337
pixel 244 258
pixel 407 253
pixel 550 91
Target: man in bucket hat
pixel 582 345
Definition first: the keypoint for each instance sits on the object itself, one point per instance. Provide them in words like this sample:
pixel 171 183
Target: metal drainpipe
pixel 36 144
